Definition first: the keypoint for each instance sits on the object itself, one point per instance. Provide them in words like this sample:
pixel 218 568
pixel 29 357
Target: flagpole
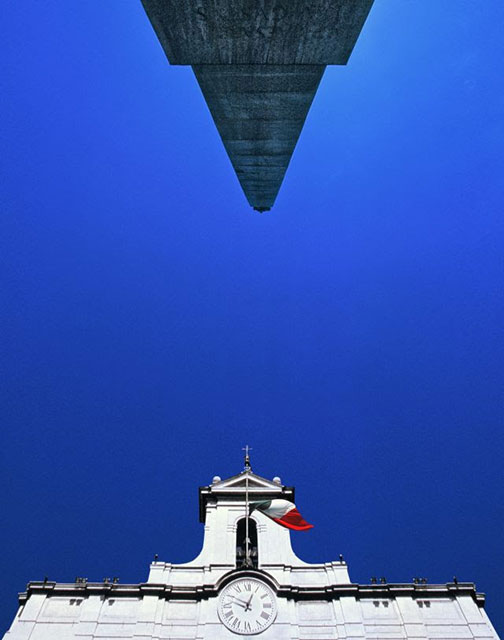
pixel 247 544
pixel 247 541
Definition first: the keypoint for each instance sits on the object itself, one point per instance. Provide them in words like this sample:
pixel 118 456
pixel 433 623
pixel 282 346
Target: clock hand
pixel 247 608
pixel 240 602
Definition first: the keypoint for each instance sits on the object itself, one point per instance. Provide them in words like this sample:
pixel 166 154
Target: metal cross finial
pixel 247 450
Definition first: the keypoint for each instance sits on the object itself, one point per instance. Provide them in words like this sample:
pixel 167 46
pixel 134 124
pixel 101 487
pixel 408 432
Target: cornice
pixel 291 592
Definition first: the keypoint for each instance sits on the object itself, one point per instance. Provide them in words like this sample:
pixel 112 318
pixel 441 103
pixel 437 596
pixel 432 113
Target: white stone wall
pixel 151 617
pixel 218 555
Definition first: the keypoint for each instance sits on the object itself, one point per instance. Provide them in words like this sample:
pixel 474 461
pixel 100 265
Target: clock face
pixel 247 606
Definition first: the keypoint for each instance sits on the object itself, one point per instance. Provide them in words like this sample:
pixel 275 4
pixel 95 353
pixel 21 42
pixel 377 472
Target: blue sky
pixel 152 323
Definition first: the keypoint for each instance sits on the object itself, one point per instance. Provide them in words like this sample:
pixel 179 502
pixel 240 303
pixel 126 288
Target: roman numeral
pixel 228 614
pixel 264 595
pixel 247 626
pixel 248 586
pixel 265 615
pixel 267 605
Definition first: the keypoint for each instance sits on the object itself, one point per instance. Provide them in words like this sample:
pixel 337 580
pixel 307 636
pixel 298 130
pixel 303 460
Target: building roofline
pixel 329 592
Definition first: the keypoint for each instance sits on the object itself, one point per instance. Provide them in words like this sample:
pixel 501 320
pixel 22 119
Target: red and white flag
pixel 283 512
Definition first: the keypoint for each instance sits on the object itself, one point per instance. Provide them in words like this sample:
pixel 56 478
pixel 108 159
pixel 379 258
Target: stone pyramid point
pixel 258 64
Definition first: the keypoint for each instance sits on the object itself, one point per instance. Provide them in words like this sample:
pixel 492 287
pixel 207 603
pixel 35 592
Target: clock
pixel 247 606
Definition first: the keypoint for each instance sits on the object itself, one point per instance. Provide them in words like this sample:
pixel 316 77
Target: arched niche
pixel 241 560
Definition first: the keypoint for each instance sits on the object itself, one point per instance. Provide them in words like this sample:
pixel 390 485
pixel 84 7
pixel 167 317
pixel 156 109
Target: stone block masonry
pixel 258 63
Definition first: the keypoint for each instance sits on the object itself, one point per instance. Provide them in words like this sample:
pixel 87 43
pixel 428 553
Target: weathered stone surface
pixel 257 31
pixel 258 63
pixel 259 111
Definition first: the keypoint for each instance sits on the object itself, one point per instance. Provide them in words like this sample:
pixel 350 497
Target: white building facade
pixel 220 596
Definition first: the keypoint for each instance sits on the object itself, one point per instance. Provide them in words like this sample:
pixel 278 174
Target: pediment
pixel 238 483
pixel 234 488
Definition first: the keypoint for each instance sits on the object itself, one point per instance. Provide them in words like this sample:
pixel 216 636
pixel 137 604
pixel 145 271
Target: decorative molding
pixel 301 593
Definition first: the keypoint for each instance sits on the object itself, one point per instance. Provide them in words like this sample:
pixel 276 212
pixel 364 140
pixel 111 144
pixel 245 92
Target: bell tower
pixel 224 510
